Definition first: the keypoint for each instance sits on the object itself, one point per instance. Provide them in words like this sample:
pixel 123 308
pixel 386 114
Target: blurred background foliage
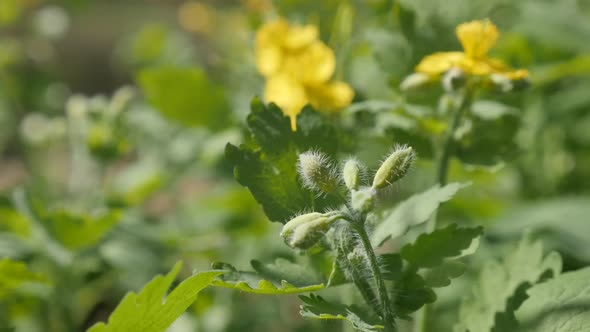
pixel 114 116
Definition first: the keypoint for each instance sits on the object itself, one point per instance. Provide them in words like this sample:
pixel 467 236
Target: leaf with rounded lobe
pixel 185 95
pixel 316 307
pixel 440 276
pixel 151 310
pixel 285 270
pixel 267 163
pixel 499 281
pixel 413 211
pixel 430 249
pixel 561 304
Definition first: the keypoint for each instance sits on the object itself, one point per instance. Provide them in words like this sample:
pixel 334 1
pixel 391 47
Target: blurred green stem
pixel 442 172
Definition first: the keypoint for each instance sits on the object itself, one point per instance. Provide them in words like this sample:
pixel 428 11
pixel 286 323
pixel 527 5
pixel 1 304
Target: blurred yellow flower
pixel 298 68
pixel 477 38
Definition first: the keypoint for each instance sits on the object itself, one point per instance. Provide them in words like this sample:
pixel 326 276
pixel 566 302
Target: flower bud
pixel 363 200
pixel 453 79
pixel 414 82
pixel 305 230
pixel 394 167
pixel 351 174
pixel 317 172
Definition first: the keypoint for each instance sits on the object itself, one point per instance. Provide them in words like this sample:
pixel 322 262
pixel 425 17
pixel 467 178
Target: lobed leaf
pixel 413 211
pixel 151 310
pixel 14 275
pixel 316 307
pixel 267 163
pixel 429 250
pixel 561 304
pixel 499 281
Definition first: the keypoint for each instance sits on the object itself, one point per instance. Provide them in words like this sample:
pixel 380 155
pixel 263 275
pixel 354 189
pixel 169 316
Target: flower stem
pixel 442 173
pixel 386 307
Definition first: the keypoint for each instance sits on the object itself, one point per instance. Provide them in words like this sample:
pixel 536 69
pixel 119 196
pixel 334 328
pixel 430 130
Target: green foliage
pixel 560 304
pixel 266 163
pixel 185 95
pixel 270 280
pixel 429 250
pixel 151 310
pixel 14 275
pixel 413 211
pixel 78 231
pixel 498 282
pixel 316 307
pixel 13 221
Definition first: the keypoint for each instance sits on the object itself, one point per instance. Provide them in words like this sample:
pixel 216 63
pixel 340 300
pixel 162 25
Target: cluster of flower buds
pixel 317 172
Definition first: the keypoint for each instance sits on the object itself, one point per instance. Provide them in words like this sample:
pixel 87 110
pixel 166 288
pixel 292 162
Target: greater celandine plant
pixel 332 209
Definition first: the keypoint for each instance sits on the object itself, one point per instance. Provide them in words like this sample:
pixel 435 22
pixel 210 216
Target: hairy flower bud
pixel 415 81
pixel 363 200
pixel 305 230
pixel 317 172
pixel 453 79
pixel 351 174
pixel 394 167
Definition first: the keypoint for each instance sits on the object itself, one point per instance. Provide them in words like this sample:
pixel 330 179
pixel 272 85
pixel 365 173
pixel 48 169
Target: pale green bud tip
pixel 415 82
pixel 305 230
pixel 351 174
pixel 317 171
pixel 394 167
pixel 363 200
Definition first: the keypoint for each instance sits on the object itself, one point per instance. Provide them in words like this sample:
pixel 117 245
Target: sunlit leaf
pixel 151 310
pixel 413 211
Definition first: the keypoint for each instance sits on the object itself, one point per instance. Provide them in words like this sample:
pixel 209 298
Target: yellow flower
pixel 298 68
pixel 477 38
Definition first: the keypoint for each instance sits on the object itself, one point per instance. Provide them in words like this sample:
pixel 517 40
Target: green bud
pixel 453 79
pixel 363 200
pixel 317 172
pixel 305 230
pixel 104 144
pixel 394 167
pixel 351 174
pixel 415 81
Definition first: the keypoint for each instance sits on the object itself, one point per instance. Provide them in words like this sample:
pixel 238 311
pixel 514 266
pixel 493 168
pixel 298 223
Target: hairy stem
pixel 386 307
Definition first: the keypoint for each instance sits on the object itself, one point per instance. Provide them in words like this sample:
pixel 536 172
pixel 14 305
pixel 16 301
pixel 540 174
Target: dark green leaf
pixel 411 293
pixel 429 250
pixel 283 269
pixel 440 276
pixel 267 164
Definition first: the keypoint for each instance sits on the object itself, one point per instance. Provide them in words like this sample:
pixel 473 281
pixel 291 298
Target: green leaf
pixel 13 221
pixel 316 307
pixel 441 275
pixel 79 231
pixel 283 269
pixel 14 275
pixel 560 222
pixel 267 163
pixel 185 95
pixel 251 282
pixel 490 133
pixel 411 293
pixel 429 250
pixel 151 310
pixel 561 304
pixel 498 282
pixel 413 211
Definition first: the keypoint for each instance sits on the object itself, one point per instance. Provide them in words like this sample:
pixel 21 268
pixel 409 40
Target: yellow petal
pixel 331 96
pixel 268 59
pixel 477 37
pixel 438 63
pixel 288 94
pixel 299 36
pixel 312 65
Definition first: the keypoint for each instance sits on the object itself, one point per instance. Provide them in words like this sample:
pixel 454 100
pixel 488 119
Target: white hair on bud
pixel 317 172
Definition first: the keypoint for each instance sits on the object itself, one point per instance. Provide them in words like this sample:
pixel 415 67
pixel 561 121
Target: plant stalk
pixel 442 173
pixel 386 307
